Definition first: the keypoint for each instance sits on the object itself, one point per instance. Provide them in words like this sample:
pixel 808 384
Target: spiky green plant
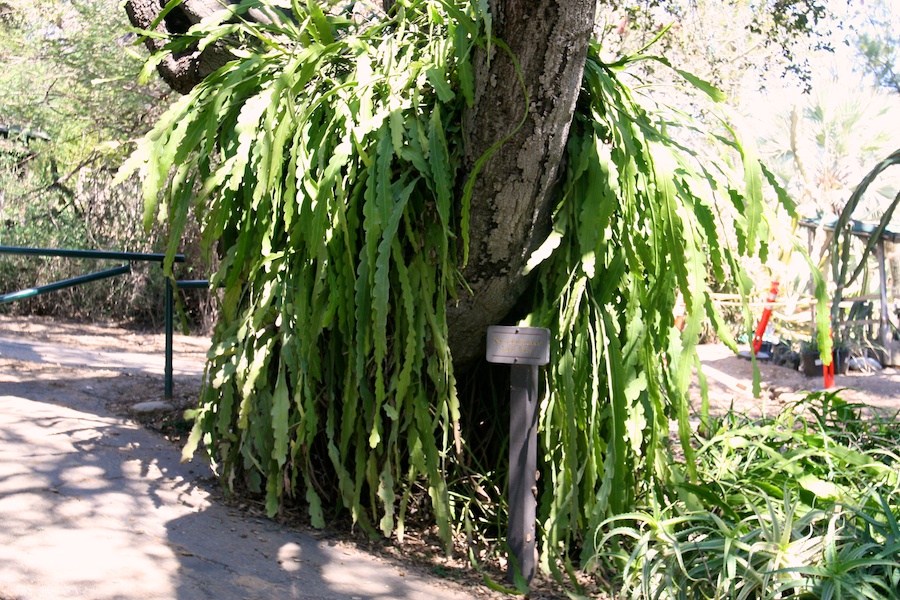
pixel 640 219
pixel 789 507
pixel 319 162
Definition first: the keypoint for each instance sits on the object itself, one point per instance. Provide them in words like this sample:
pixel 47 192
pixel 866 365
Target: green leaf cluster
pixel 801 505
pixel 319 163
pixel 637 226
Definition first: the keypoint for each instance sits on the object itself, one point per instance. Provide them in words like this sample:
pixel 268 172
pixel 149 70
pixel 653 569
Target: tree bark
pixel 512 195
pixel 186 69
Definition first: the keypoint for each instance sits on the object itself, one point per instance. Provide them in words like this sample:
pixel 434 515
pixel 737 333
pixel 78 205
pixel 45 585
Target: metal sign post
pixel 525 348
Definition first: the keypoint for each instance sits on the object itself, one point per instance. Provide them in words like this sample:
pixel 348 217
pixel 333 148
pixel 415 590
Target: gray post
pixel 169 327
pixel 524 349
pixel 885 325
pixel 521 535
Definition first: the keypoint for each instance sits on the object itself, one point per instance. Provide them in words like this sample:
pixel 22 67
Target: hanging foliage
pixel 639 222
pixel 319 162
pixel 323 162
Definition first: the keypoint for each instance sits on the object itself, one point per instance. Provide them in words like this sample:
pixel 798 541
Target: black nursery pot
pixel 811 364
pixel 841 361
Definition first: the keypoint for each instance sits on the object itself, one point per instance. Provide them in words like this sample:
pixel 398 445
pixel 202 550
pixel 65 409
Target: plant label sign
pixel 525 349
pixel 518 345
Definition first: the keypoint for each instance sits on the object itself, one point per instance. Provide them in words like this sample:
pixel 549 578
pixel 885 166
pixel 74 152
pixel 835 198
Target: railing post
pixel 169 327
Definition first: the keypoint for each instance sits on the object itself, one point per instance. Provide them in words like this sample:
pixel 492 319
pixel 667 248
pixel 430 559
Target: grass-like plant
pixel 802 505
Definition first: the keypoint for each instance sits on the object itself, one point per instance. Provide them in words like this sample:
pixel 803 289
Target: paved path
pixel 94 507
pixel 153 364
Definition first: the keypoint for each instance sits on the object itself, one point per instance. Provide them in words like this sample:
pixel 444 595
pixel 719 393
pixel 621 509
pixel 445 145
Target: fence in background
pixel 129 258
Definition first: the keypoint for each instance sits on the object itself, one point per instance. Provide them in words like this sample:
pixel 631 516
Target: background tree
pixel 878 41
pixel 69 85
pixel 738 46
pixel 821 145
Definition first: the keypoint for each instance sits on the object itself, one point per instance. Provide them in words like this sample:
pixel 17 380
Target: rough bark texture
pixel 512 194
pixel 188 68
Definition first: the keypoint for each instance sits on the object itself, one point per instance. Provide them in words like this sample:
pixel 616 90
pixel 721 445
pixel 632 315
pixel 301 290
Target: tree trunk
pixel 186 69
pixel 512 194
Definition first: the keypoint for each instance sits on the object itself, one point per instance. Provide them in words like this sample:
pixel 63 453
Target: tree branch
pixel 186 69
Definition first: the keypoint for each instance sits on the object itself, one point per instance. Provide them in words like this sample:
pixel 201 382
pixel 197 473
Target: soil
pixel 729 379
pixel 101 336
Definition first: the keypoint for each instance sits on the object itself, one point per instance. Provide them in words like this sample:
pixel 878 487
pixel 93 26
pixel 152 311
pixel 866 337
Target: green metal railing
pixel 130 257
pixel 181 284
pixel 65 283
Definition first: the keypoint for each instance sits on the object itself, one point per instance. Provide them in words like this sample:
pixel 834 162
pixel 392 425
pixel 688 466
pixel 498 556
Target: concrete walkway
pixel 92 506
pixel 127 362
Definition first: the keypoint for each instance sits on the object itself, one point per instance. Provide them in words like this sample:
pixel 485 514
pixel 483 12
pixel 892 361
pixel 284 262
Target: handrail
pixel 120 270
pixel 65 283
pixel 92 254
pixel 192 284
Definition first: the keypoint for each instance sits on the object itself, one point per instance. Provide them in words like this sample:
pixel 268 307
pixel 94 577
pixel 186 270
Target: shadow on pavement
pixel 94 506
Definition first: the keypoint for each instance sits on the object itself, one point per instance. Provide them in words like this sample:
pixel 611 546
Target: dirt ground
pixel 730 381
pixel 729 377
pixel 100 336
